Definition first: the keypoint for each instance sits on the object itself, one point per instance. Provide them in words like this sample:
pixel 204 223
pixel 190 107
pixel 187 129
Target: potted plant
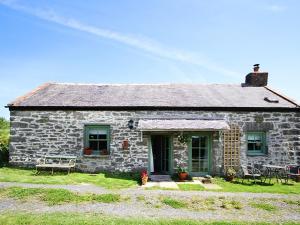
pixel 230 174
pixel 182 173
pixel 87 151
pixel 144 177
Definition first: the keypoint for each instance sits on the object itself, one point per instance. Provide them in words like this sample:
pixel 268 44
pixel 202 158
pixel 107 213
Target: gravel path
pixel 150 205
pixel 90 188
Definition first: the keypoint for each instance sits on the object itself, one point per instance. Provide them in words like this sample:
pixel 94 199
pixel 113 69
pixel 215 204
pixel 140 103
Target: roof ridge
pixel 17 101
pixel 137 84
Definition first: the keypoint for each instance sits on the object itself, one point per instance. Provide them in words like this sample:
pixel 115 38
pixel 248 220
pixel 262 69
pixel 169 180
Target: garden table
pixel 273 171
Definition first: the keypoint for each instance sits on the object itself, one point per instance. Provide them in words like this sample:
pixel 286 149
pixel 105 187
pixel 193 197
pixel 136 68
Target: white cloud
pixel 139 42
pixel 276 8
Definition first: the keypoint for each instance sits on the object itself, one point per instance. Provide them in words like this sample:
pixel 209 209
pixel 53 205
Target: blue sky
pixel 157 41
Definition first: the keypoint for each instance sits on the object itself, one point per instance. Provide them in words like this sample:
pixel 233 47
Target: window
pixel 96 140
pixel 256 143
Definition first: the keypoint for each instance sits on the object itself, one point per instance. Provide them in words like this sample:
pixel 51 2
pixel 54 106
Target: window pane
pixel 251 137
pixel 92 136
pixel 258 138
pixel 102 145
pixel 93 145
pixel 203 142
pixel 203 153
pixel 102 136
pixel 195 141
pixel 251 146
pixel 258 146
pixel 195 153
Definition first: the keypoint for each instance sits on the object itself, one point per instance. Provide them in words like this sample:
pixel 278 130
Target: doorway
pixel 161 153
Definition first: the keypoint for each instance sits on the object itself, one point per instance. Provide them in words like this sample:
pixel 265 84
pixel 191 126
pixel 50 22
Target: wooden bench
pixel 56 162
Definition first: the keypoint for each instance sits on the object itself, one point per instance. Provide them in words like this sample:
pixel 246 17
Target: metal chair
pixel 292 171
pixel 249 172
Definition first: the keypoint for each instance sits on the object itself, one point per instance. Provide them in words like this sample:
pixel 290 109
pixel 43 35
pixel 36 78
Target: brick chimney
pixel 256 78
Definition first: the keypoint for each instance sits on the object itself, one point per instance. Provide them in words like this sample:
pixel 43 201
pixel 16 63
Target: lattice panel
pixel 232 147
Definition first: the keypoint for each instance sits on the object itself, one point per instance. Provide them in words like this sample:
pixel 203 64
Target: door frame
pixel 170 158
pixel 209 142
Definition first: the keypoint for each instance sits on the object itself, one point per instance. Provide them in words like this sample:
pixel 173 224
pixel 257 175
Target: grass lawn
pixel 89 219
pixel 56 196
pixel 190 187
pixel 235 186
pixel 106 180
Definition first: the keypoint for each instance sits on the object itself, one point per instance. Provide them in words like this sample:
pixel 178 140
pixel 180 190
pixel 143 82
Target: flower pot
pixel 144 180
pixel 229 178
pixel 183 176
pixel 88 151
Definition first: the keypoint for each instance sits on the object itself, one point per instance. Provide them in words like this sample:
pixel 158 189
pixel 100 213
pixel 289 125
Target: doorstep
pixel 161 184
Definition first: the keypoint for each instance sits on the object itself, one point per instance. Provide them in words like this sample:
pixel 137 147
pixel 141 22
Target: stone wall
pixel 38 133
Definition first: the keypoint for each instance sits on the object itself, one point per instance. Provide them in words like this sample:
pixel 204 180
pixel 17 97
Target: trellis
pixel 232 146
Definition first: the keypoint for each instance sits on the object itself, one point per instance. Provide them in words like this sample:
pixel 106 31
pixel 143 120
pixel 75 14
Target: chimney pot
pixel 256 67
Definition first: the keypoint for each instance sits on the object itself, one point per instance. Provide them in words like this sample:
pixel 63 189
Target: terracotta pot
pixel 229 178
pixel 144 180
pixel 183 176
pixel 88 151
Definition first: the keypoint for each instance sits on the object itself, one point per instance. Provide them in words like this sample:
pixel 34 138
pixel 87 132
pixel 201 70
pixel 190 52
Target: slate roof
pixel 152 95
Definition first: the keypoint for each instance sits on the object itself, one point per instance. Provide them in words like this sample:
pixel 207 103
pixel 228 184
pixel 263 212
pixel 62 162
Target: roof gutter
pixel 134 108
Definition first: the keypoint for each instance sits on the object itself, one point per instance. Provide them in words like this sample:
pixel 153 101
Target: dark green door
pixel 199 154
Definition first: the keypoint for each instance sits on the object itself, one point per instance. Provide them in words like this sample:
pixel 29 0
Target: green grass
pixel 57 196
pixel 292 188
pixel 229 204
pixel 190 187
pixel 98 219
pixel 106 180
pixel 292 202
pixel 264 206
pixel 141 198
pixel 176 204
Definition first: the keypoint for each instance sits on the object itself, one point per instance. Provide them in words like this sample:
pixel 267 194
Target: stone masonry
pixel 38 133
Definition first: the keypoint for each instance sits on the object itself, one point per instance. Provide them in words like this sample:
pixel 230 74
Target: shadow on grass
pixel 252 183
pixel 47 172
pixel 134 176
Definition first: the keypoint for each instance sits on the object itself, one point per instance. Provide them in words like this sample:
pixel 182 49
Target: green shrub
pixel 4 141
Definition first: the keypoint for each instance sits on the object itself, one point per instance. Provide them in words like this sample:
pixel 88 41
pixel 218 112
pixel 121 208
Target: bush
pixel 4 141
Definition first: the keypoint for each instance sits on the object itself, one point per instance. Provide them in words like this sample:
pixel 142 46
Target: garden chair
pixel 292 171
pixel 249 172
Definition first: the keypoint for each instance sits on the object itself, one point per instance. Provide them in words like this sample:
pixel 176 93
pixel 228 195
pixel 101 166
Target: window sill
pixel 96 156
pixel 257 154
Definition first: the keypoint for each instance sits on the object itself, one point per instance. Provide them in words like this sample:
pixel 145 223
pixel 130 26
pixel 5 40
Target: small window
pixel 96 140
pixel 256 142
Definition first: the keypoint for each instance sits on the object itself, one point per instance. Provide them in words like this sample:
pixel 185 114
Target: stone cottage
pixel 124 127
